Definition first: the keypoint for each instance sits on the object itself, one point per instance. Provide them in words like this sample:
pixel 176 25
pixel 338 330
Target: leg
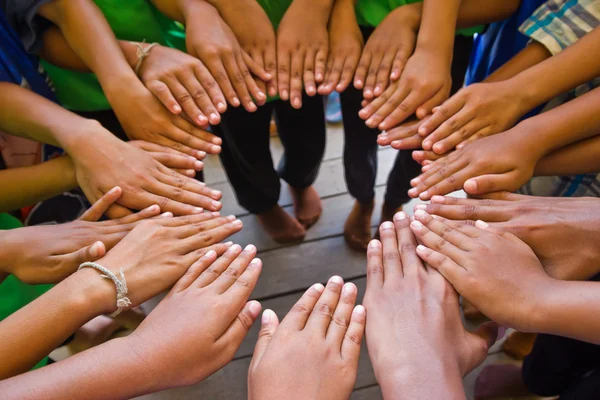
pixel 302 134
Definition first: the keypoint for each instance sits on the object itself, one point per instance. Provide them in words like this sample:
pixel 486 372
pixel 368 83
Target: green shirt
pixel 135 20
pixel 15 294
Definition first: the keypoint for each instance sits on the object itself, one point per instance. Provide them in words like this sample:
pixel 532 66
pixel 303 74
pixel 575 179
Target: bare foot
pixel 518 344
pixel 500 380
pixel 281 226
pixel 387 214
pixel 307 205
pixel 357 230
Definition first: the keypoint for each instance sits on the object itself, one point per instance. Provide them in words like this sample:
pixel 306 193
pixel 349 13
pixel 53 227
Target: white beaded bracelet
pixel 121 285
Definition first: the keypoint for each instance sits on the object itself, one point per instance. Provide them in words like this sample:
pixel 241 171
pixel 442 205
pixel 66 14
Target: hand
pixel 158 252
pixel 199 326
pixel 143 117
pixel 387 51
pixel 345 46
pixel 182 82
pixel 209 39
pixel 173 159
pixel 561 231
pixel 302 46
pixel 494 271
pixel 314 353
pixel 255 33
pixel 495 163
pixel 50 253
pixel 477 111
pixel 414 328
pixel 403 137
pixel 103 161
pixel 425 83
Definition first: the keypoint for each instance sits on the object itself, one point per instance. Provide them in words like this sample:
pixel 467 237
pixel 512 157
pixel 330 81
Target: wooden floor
pixel 289 270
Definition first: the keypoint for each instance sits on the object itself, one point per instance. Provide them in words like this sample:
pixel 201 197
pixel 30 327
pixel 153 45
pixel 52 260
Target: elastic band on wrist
pixel 142 53
pixel 121 285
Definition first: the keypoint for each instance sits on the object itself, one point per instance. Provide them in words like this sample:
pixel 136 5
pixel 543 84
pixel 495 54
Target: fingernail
pixel 216 149
pixel 215 192
pixel 261 95
pixel 176 108
pixel 222 107
pixel 400 216
pixel 387 225
pixel 95 249
pixel 480 224
pixel 254 307
pixel 336 279
pixel 152 208
pixel 198 165
pixel 167 214
pixel 437 199
pixel 114 190
pixel 470 186
pixel 412 192
pixel 420 207
pixel 228 244
pixel 210 253
pixel 416 224
pixel 424 195
pixel 249 248
pixel 235 102
pixel 348 288
pixel 284 94
pixel 318 287
pixel 216 204
pixel 359 309
pixel 358 82
pixel 421 248
pixel 420 213
pixel 267 316
pixel 231 217
pixel 202 119
pixel 255 262
pixel 215 214
pixel 235 248
pixel 200 154
pixel 237 223
pixel 197 210
pixel 375 244
pixel 297 103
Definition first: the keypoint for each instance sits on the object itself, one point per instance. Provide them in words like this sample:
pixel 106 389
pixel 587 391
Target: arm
pixel 574 159
pixel 28 185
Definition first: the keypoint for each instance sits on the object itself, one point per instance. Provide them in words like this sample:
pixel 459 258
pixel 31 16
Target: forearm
pixel 28 185
pixel 475 12
pixel 91 38
pixel 532 55
pixel 422 381
pixel 438 26
pixel 111 370
pixel 570 309
pixel 574 159
pixel 34 331
pixel 560 73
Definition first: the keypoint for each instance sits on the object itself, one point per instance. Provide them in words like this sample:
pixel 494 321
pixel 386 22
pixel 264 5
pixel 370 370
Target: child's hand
pixel 302 48
pixel 561 231
pixel 479 110
pixel 493 270
pixel 182 82
pixel 173 159
pixel 425 83
pixel 198 327
pixel 387 51
pixel 102 161
pixel 254 32
pixel 345 46
pixel 313 353
pixel 414 328
pixel 58 250
pixel 492 164
pixel 209 39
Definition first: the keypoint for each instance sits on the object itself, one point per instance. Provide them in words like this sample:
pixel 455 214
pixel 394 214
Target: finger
pixel 347 74
pixel 211 86
pixel 459 136
pixel 116 211
pixel 400 62
pixel 482 339
pixel 405 109
pixel 483 132
pixel 218 71
pixel 472 210
pixel 361 70
pixel 269 324
pixel 248 66
pixel 441 115
pixel 235 270
pixel 444 231
pixel 296 319
pixel 354 335
pixel 497 230
pixel 216 269
pixel 425 157
pixel 398 133
pixel 208 238
pixel 392 266
pixel 407 244
pixel 372 76
pixel 434 242
pixel 187 191
pixel 483 184
pixel 201 98
pixel 283 73
pixel 438 98
pixel 188 135
pixel 270 61
pixel 245 284
pixel 320 63
pixel 183 221
pixel 205 225
pixel 383 73
pixel 332 76
pixel 452 182
pixel 195 270
pixel 321 316
pixel 162 92
pixel 453 272
pixel 146 213
pixel 309 74
pixel 87 254
pixel 239 328
pixel 441 170
pixel 375 272
pixel 384 106
pixel 257 56
pixel 296 80
pixel 178 161
pixel 466 227
pixel 342 314
pixel 97 210
pixel 185 99
pixel 237 75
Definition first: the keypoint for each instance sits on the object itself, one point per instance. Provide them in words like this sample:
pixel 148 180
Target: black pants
pixel 247 159
pixel 559 366
pixel 360 148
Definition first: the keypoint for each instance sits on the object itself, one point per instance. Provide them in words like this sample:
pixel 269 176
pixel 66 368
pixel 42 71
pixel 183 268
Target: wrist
pixel 529 95
pixel 320 9
pixel 85 133
pixel 527 134
pixel 414 380
pixel 546 306
pixel 409 15
pixel 90 294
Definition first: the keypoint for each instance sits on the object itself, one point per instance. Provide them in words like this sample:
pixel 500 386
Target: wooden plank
pixel 330 182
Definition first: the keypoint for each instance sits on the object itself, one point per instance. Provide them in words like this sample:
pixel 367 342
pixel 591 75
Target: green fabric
pixel 275 9
pixel 135 20
pixel 15 294
pixel 372 12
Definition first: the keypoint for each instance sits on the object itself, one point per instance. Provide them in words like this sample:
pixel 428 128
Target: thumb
pixel 95 212
pixel 269 324
pixel 92 252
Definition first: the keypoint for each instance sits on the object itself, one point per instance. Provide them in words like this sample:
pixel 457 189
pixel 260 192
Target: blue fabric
pixel 499 43
pixel 21 68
